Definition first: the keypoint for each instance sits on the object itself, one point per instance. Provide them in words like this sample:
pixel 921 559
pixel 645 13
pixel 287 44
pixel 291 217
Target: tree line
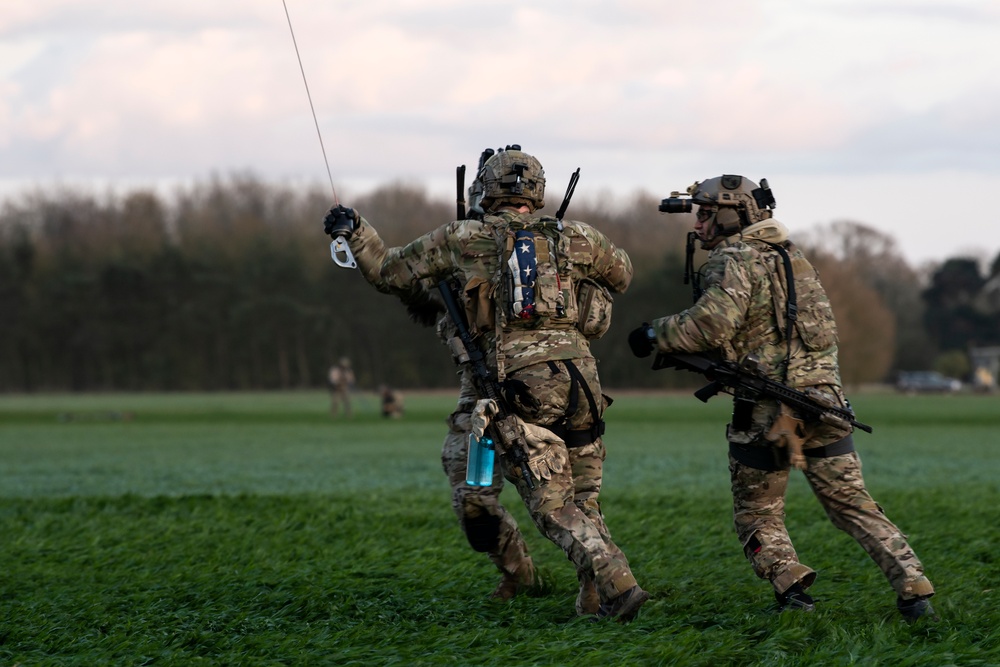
pixel 228 285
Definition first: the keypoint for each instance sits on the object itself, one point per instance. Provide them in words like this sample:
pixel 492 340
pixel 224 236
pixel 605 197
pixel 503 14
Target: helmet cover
pixel 512 177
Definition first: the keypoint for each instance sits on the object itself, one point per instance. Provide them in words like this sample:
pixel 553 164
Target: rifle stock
pixel 743 378
pixel 506 432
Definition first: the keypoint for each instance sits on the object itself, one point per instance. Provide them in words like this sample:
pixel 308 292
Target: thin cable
pixel 336 200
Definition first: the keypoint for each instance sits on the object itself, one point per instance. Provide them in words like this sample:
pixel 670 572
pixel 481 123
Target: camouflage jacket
pixel 468 251
pixel 742 310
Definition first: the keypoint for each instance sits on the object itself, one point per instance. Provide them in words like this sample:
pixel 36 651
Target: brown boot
pixel 625 606
pixel 512 583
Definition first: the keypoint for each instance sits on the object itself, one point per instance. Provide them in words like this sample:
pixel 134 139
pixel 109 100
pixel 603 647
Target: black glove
pixel 340 221
pixel 642 340
pixel 425 310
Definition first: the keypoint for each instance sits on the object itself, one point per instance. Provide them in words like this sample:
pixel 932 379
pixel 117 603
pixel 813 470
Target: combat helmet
pixel 739 201
pixel 511 177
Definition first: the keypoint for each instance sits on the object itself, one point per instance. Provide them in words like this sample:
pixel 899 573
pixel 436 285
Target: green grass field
pixel 251 529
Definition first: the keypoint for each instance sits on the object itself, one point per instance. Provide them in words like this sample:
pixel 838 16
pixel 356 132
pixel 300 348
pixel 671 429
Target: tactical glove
pixel 482 414
pixel 788 432
pixel 642 340
pixel 423 308
pixel 340 221
pixel 544 458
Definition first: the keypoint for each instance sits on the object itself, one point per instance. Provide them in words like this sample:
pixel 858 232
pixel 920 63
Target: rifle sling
pixel 771 459
pixel 791 305
pixel 842 446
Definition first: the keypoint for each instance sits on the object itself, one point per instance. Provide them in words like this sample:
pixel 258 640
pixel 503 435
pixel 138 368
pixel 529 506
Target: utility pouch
pixel 594 309
pixel 531 286
pixel 479 305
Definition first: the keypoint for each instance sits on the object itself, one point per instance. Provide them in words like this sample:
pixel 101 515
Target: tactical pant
pixel 487 525
pixel 565 508
pixel 759 514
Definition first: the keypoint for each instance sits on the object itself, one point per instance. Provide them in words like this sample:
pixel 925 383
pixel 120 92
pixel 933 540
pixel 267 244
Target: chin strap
pixel 691 277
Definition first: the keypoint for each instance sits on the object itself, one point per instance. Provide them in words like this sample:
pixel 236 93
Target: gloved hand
pixel 482 413
pixel 423 308
pixel 642 340
pixel 340 221
pixel 544 459
pixel 788 432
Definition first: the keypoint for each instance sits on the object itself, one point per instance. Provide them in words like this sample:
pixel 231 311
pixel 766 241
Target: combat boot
pixel 795 599
pixel 625 606
pixel 512 583
pixel 916 608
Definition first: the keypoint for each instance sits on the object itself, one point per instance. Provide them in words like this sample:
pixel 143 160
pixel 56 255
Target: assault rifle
pixel 745 381
pixel 506 432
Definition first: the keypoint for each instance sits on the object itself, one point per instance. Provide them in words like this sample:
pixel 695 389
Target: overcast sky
pixel 885 112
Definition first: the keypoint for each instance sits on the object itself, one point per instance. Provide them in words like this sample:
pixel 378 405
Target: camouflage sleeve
pixel 370 252
pixel 714 319
pixel 433 255
pixel 611 266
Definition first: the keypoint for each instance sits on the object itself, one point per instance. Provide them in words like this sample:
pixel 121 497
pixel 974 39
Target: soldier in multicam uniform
pixel 486 523
pixel 757 294
pixel 534 331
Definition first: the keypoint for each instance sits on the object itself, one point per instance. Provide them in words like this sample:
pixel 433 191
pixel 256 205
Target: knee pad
pixel 483 532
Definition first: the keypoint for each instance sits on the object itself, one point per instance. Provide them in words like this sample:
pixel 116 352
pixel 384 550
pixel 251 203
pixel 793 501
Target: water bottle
pixel 479 471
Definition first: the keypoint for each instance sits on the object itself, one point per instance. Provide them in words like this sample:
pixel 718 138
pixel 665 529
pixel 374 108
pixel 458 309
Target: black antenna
pixel 570 189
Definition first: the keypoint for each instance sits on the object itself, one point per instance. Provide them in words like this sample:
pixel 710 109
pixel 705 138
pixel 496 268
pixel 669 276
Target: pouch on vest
pixel 531 285
pixel 594 306
pixel 479 304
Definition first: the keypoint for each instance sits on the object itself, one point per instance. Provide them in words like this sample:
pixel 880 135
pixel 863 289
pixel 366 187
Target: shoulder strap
pixel 791 305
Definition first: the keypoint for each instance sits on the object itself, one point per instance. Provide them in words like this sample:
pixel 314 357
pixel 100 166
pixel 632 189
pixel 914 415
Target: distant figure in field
pixel 392 402
pixel 340 379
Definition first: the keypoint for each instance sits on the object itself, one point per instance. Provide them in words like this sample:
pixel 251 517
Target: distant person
pixel 392 402
pixel 758 294
pixel 340 380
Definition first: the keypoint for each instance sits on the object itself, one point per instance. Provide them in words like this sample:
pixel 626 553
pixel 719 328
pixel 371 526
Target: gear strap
pixel 791 305
pixel 773 459
pixel 578 437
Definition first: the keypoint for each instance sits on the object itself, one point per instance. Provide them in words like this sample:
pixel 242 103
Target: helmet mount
pixel 738 202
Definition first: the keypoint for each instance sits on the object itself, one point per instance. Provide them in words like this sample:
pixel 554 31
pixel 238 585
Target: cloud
pixel 640 93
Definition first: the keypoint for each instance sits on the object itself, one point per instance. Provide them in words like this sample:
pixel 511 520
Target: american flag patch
pixel 523 270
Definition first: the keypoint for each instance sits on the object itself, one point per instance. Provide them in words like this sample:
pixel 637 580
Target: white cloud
pixel 640 93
